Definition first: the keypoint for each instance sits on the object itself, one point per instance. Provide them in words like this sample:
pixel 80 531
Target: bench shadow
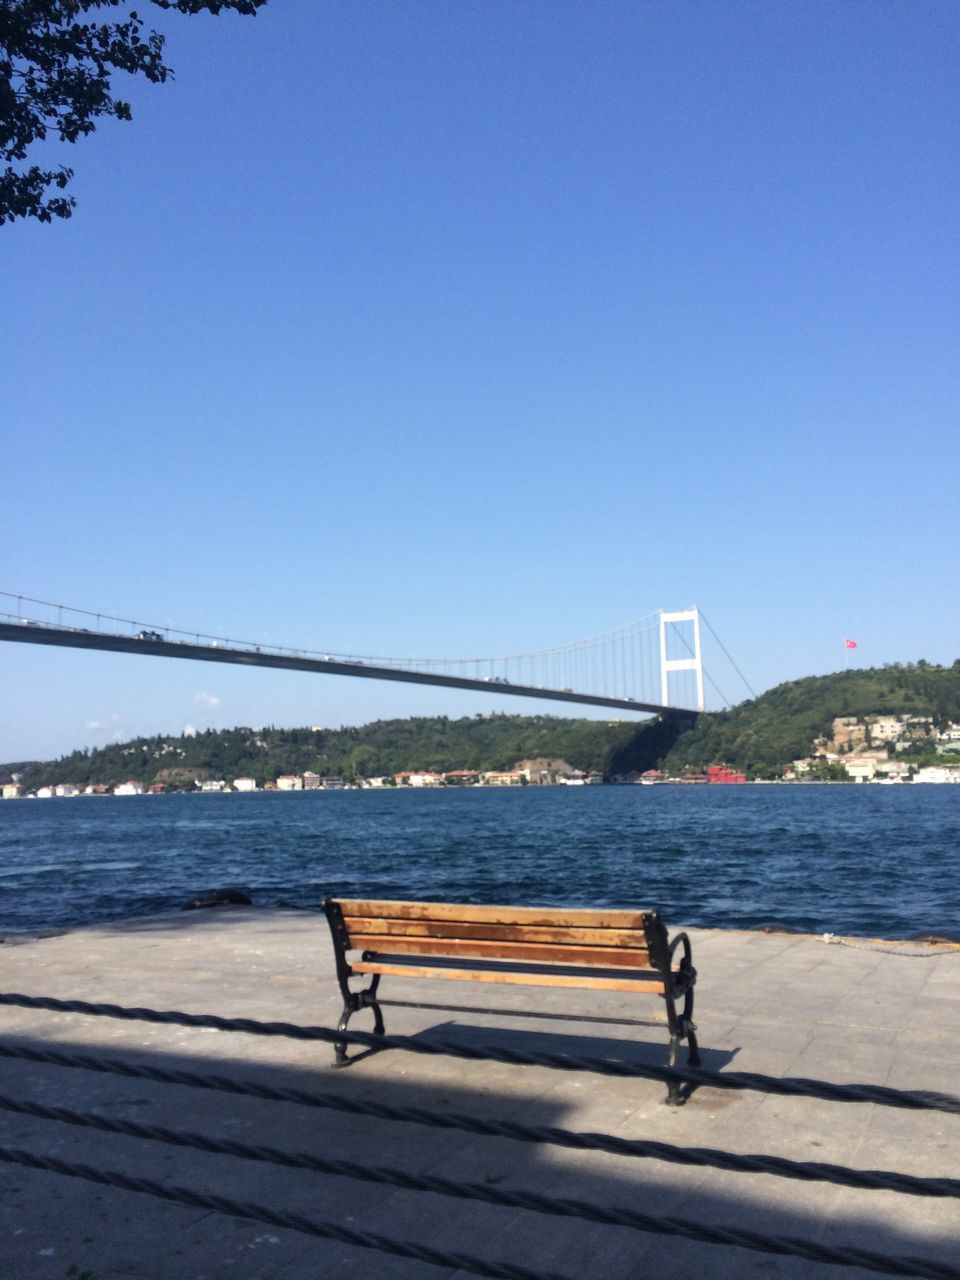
pixel 617 1051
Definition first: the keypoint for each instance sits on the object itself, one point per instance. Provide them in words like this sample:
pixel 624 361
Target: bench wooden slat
pixel 516 967
pixel 357 926
pixel 627 959
pixel 508 978
pixel 548 916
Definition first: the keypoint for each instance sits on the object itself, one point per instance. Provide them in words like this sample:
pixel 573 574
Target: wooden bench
pixel 626 951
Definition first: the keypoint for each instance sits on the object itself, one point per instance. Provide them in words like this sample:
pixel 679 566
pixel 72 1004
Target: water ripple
pixel 881 861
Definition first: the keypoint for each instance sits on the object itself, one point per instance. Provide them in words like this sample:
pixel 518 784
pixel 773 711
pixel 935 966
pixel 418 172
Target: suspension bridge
pixel 654 665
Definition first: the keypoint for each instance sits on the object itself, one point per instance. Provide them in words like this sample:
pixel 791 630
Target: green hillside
pixel 763 735
pixel 760 737
pixel 384 747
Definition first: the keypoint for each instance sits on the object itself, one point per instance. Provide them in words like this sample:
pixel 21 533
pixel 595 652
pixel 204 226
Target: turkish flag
pixel 849 644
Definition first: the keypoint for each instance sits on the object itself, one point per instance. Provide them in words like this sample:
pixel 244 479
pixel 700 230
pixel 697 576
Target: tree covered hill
pixel 384 747
pixel 765 734
pixel 760 737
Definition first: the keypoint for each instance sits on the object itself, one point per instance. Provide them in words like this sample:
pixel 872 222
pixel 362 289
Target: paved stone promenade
pixel 846 1011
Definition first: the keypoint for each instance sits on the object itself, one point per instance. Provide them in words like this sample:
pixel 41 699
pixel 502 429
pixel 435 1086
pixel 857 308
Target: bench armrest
pixel 686 972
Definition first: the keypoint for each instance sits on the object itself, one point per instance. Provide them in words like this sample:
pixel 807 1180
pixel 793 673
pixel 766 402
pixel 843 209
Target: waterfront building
pixel 461 778
pixel 244 784
pixel 503 778
pixel 892 771
pixel 721 773
pixel 862 767
pixel 129 788
pixel 290 782
pixel 543 771
pixel 938 773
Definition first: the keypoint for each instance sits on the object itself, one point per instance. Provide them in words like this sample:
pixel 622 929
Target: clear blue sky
pixel 479 327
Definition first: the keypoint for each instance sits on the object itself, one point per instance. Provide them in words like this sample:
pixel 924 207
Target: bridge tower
pixel 692 663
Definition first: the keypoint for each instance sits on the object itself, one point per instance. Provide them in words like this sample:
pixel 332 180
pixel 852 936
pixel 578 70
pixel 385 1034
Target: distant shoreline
pixel 481 786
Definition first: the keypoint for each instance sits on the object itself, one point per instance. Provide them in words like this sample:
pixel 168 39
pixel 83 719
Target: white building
pixel 244 784
pixel 290 782
pixel 893 770
pixel 863 766
pixel 131 788
pixel 938 773
pixel 887 728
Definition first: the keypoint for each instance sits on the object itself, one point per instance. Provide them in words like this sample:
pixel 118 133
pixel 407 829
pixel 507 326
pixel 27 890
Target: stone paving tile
pixel 568 1248
pixel 875 1222
pixel 48 1223
pixel 777 1004
pixel 329 1259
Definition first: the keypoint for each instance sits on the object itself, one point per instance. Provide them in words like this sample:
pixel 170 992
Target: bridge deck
pixel 31 633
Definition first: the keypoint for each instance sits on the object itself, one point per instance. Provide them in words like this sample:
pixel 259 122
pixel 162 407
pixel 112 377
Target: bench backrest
pixel 614 938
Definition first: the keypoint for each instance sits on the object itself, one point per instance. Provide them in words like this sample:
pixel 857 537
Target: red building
pixel 723 773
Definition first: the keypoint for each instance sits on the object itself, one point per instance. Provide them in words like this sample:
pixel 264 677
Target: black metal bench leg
pixel 378 1028
pixel 673 1098
pixel 369 998
pixel 339 1047
pixel 693 1056
pixel 357 1000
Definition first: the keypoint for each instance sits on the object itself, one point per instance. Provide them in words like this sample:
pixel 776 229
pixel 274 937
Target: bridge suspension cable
pixel 629 664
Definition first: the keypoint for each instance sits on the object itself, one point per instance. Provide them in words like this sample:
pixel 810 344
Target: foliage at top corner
pixel 56 78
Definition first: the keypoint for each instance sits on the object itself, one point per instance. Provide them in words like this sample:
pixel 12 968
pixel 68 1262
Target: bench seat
pixel 601 950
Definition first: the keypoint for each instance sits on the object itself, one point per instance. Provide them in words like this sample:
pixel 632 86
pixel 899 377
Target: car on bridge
pixel 149 635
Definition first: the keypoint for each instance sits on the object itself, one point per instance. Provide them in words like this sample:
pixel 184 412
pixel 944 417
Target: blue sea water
pixel 871 861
